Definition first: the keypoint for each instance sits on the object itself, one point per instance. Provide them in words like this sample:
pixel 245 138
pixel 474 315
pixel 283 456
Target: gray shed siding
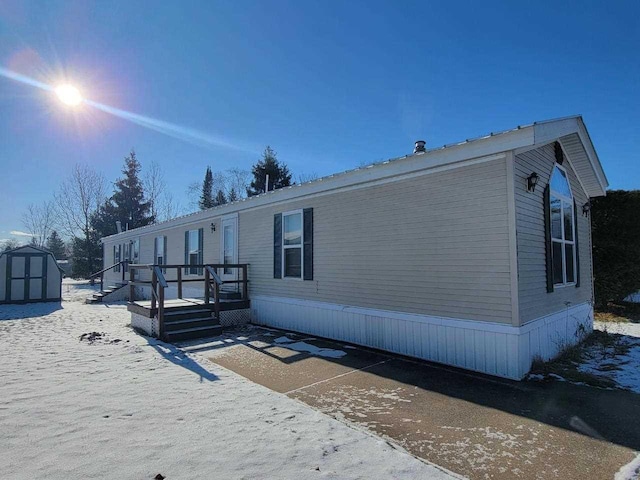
pixel 436 244
pixel 534 300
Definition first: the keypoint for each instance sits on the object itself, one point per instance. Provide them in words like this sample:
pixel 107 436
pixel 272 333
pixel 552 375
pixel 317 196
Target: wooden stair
pixel 99 296
pixel 190 323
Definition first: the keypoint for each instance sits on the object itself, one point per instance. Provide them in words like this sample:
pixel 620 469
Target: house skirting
pixel 487 347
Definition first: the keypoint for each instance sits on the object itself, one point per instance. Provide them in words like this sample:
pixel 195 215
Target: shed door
pixel 27 277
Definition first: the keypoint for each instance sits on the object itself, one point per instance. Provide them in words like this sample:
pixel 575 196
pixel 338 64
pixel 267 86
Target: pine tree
pixel 206 197
pixel 127 204
pixel 55 245
pixel 279 175
pixel 233 195
pixel 221 199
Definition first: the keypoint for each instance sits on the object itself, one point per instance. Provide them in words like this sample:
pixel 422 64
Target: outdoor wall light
pixel 586 208
pixel 532 181
pixel 213 227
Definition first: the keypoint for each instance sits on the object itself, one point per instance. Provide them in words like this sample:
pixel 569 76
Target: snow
pixel 622 368
pixel 119 405
pixel 631 471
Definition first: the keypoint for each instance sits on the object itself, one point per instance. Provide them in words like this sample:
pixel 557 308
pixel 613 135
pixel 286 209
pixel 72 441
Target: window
pixel 563 244
pixel 135 251
pixel 160 251
pixel 116 257
pixel 193 251
pixel 292 240
pixel 229 243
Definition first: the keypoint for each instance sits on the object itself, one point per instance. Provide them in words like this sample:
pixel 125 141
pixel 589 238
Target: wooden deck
pixel 143 307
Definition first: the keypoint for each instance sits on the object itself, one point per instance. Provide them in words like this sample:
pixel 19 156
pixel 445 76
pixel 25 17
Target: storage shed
pixel 29 274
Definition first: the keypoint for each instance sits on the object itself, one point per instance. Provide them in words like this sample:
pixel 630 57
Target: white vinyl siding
pixel 437 244
pixel 534 300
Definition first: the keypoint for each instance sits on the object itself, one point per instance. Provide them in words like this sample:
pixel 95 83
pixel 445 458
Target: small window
pixel 116 257
pixel 562 229
pixel 135 251
pixel 160 249
pixel 193 251
pixel 292 237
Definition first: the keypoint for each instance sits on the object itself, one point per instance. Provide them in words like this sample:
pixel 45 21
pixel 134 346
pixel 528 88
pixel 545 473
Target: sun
pixel 69 95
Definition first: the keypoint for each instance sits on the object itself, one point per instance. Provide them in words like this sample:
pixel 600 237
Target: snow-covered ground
pixel 622 368
pixel 118 405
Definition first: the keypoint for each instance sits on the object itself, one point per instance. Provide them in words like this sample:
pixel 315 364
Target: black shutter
pixel 547 238
pixel 277 245
pixel 575 239
pixel 307 248
pixel 155 250
pixel 186 251
pixel 200 254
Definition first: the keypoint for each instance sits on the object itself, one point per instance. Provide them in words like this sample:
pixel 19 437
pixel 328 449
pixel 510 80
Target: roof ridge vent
pixel 420 146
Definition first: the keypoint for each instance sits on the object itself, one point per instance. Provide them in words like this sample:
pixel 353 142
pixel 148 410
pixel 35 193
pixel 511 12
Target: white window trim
pixel 191 249
pixel 563 242
pixel 301 246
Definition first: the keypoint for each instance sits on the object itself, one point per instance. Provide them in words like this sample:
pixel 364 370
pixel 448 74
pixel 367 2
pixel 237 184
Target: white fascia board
pixel 388 170
pixel 593 156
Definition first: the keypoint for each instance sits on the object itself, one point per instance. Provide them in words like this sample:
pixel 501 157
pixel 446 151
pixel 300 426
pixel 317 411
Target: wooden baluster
pixel 102 281
pixel 207 284
pixel 161 313
pixel 245 283
pixel 179 282
pixel 132 288
pixel 154 288
pixel 216 290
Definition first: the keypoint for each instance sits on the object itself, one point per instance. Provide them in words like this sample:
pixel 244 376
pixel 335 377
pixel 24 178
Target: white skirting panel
pixel 493 348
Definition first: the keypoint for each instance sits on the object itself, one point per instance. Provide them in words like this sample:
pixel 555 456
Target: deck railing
pixel 210 278
pixel 123 267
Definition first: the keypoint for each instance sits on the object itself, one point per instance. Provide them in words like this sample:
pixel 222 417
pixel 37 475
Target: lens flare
pixel 69 95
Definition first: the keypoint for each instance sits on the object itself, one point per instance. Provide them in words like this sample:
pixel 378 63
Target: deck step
pixel 192 333
pixel 230 295
pixel 176 315
pixel 190 323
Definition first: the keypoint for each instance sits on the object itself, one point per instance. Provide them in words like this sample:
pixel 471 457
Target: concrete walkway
pixel 478 426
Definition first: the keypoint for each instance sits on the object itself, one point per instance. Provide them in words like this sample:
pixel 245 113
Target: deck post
pixel 216 292
pixel 245 283
pixel 154 288
pixel 102 281
pixel 179 282
pixel 132 288
pixel 161 313
pixel 207 284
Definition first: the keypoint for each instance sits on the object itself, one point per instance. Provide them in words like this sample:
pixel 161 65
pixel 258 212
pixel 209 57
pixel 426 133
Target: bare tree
pixel 237 180
pixel 9 244
pixel 154 186
pixel 39 221
pixel 168 207
pixel 77 200
pixel 307 177
pixel 79 197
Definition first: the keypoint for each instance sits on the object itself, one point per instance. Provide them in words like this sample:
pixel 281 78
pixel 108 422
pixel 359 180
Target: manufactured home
pixel 476 254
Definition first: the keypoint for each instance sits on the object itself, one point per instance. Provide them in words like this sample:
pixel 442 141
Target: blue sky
pixel 328 84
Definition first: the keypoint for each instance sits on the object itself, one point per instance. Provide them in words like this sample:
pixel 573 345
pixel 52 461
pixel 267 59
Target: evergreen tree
pixel 55 245
pixel 127 204
pixel 233 195
pixel 86 255
pixel 279 175
pixel 221 199
pixel 206 197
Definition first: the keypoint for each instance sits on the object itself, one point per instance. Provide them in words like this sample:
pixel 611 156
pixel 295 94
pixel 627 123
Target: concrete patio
pixel 477 426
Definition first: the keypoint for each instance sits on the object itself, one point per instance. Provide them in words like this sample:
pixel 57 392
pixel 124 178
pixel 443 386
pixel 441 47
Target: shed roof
pixel 31 249
pixel 570 131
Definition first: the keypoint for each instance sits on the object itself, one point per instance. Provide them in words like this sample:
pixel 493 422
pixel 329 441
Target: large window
pixel 292 240
pixel 563 248
pixel 193 251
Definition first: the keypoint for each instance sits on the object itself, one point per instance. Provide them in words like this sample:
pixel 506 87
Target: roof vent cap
pixel 420 147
